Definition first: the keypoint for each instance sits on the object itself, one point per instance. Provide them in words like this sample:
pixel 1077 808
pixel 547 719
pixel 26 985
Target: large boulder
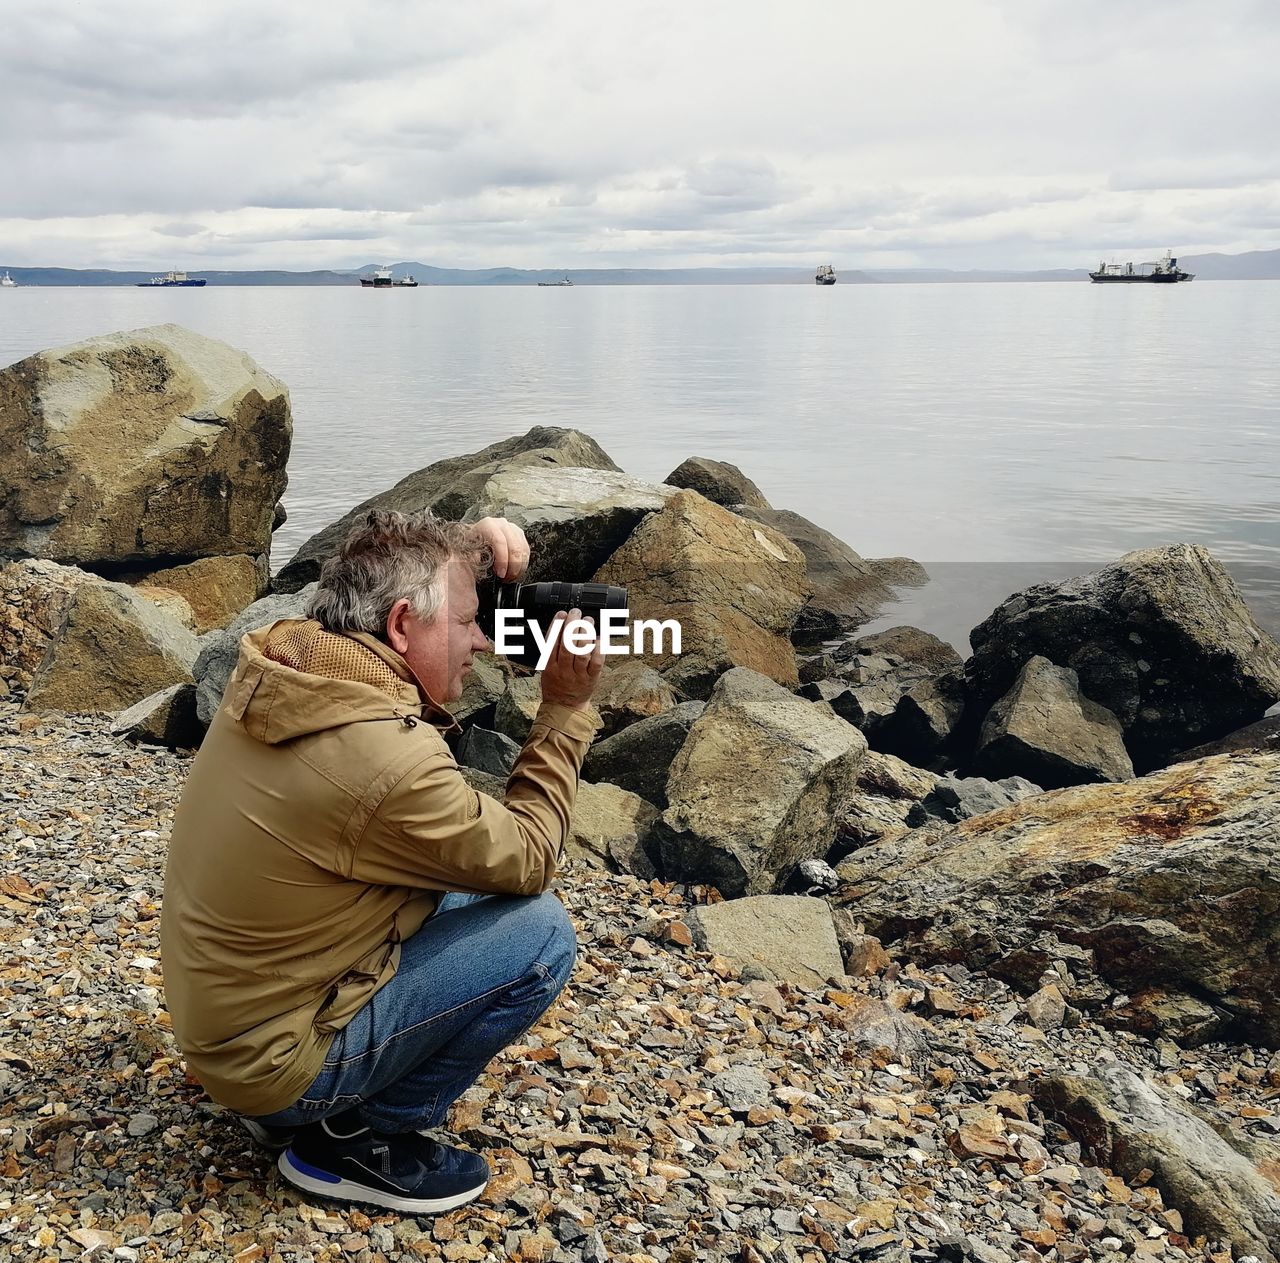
pixel 761 784
pixel 639 757
pixel 167 718
pixel 1043 729
pixel 449 488
pixel 220 650
pixel 573 518
pixel 735 588
pixel 926 719
pixel 1162 638
pixel 721 482
pixel 1251 739
pixel 1221 1183
pixel 628 693
pixel 848 590
pixel 887 790
pixel 787 938
pixel 113 648
pixel 154 446
pixel 608 826
pixel 1132 884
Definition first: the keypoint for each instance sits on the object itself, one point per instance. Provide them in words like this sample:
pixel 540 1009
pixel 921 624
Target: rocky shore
pixel 886 954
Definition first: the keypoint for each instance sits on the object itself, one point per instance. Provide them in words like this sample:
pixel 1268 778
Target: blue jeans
pixel 472 980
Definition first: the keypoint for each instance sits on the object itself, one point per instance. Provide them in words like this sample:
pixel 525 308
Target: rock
pixel 487 751
pixel 639 757
pixel 114 648
pixel 741 1088
pixel 1252 739
pixel 34 599
pixel 955 798
pixel 155 445
pixel 216 588
pixel 220 650
pixel 735 588
pixel 575 519
pixel 925 719
pixel 873 1024
pixel 1043 729
pixel 847 590
pixel 759 785
pixel 910 644
pixel 142 1124
pixel 167 718
pixel 482 690
pixel 628 693
pixel 449 488
pixel 786 937
pixel 608 823
pixel 720 482
pixel 1161 638
pixel 1132 1126
pixel 1047 1008
pixel 887 789
pixel 863 953
pixel 1137 878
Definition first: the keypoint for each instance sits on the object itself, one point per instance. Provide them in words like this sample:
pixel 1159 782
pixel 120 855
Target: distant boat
pixel 382 279
pixel 1160 272
pixel 170 279
pixel 826 275
pixel 7 282
pixel 555 284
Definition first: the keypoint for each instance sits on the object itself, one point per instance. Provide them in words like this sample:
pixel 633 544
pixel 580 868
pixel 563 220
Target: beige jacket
pixel 320 819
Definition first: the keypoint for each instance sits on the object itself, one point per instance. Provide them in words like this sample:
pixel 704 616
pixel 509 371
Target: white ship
pixel 7 281
pixel 826 275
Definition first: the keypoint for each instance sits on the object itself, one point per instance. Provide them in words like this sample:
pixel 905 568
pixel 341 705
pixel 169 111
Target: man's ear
pixel 397 631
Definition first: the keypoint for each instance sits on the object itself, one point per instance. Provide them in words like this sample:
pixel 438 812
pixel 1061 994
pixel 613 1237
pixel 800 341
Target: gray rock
pixel 925 719
pixel 874 1024
pixel 1045 730
pixel 760 784
pixel 787 937
pixel 848 590
pixel 721 482
pixel 142 1124
pixel 220 650
pixel 639 757
pixel 1162 638
pixel 741 1088
pixel 449 488
pixel 166 718
pixel 487 751
pixel 912 645
pixel 1252 739
pixel 955 798
pixel 1131 1125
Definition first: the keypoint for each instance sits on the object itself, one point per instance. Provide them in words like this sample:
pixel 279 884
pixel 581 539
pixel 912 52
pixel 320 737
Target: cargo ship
pixel 382 279
pixel 1160 272
pixel 169 279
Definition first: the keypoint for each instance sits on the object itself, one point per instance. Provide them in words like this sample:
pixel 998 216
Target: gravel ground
pixel 665 1109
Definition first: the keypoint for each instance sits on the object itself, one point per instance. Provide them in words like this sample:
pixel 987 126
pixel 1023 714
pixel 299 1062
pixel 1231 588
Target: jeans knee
pixel 559 942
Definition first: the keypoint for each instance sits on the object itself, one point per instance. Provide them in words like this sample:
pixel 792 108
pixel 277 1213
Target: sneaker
pixel 273 1138
pixel 342 1159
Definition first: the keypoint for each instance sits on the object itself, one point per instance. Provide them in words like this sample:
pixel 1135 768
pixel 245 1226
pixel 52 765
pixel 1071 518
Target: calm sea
pixel 999 433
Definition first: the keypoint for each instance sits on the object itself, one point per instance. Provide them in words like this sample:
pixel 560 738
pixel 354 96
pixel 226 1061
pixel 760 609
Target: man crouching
pixel 350 934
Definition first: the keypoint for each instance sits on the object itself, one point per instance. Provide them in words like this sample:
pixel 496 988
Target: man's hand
pixel 509 547
pixel 569 679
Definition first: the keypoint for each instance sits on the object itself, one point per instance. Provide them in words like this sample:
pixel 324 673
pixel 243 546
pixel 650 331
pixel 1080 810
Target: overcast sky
pixel 663 133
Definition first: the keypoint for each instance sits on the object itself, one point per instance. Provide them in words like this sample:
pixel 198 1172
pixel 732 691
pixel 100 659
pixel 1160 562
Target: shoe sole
pixel 323 1184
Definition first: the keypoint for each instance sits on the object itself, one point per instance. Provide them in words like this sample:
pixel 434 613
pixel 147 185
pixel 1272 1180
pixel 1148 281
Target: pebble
pixel 668 1109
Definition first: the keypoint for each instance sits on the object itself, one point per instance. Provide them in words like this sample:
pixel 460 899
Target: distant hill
pixel 1255 265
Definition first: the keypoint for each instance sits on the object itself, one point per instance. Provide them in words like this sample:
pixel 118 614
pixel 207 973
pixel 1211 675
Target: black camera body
pixel 539 603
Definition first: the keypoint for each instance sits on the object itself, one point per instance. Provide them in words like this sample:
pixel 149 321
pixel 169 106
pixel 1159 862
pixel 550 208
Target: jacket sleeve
pixel 432 830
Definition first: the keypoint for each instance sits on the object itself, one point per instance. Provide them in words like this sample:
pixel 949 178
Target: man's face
pixel 440 652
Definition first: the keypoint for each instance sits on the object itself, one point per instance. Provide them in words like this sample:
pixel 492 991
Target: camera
pixel 539 603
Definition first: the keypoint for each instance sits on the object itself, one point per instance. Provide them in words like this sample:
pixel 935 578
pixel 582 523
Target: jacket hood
pixel 294 678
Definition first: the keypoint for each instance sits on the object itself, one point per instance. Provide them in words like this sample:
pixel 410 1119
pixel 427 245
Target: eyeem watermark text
pixel 616 632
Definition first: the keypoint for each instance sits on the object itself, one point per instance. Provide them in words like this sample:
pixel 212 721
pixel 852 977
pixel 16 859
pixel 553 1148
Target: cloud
pixel 546 132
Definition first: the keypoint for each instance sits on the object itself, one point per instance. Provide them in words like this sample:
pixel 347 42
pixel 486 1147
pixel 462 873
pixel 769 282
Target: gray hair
pixel 389 556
